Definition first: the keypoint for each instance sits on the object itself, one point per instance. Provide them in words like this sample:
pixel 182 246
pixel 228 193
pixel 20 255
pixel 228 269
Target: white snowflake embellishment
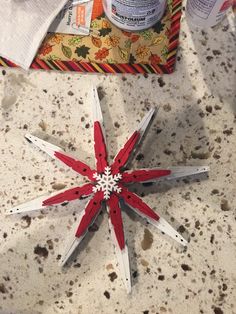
pixel 107 183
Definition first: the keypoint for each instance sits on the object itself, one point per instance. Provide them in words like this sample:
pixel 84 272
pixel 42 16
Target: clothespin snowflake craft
pixel 109 184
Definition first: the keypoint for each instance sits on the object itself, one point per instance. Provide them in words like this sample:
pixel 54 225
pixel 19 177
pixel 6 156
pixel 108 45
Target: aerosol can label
pixel 134 15
pixel 207 13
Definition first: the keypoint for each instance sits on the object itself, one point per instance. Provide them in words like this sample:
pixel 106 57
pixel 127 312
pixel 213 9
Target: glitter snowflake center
pixel 107 183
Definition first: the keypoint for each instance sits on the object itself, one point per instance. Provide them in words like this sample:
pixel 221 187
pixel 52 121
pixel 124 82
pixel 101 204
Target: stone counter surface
pixel 195 125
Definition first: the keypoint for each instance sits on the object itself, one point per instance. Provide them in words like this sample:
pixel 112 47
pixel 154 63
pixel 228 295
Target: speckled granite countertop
pixel 195 125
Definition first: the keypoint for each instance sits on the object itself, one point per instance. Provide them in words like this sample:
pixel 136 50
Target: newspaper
pixel 74 18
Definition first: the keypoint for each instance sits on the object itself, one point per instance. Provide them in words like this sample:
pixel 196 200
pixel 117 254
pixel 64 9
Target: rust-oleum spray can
pixel 134 15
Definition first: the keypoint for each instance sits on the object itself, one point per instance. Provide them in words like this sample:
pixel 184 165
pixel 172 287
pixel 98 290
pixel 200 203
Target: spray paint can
pixel 207 13
pixel 134 15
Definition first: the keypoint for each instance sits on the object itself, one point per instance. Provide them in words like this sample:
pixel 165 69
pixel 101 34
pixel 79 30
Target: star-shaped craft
pixel 109 186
